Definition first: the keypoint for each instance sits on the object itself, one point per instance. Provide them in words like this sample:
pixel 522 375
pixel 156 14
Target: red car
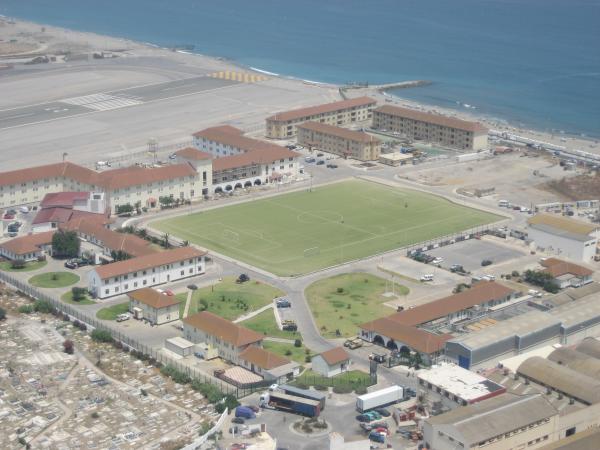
pixel 9 216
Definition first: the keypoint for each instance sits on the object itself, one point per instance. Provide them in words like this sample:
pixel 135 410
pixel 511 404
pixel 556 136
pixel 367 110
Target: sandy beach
pixel 20 41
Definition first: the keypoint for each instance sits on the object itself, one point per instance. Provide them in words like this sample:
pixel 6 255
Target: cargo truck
pixel 304 393
pixel 380 398
pixel 291 403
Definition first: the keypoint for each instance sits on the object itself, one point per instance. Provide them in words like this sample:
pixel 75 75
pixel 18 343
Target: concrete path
pixel 282 340
pixel 188 302
pixel 253 313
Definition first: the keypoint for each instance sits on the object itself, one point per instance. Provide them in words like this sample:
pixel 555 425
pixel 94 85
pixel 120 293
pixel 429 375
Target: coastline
pixel 51 38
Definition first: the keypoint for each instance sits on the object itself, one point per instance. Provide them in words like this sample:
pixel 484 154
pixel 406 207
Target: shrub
pixel 360 390
pixel 308 358
pixel 515 273
pixel 68 347
pixel 343 389
pixel 302 386
pixel 320 387
pixel 176 375
pixel 340 290
pixel 2 314
pixel 288 352
pixel 43 306
pixel 17 264
pixel 101 335
pixel 298 343
pixel 26 309
pixel 78 293
pixel 95 415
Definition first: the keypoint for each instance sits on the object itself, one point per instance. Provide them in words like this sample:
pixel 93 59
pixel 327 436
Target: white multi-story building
pixel 241 162
pixel 228 338
pixel 145 271
pixel 121 186
pixel 154 306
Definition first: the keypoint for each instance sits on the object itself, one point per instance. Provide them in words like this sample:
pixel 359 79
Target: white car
pixel 427 277
pixel 123 317
pixel 438 260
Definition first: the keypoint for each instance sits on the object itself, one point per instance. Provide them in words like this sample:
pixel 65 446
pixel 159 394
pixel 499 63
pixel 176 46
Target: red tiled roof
pixel 263 358
pixel 357 136
pixel 302 113
pixel 415 338
pixel 28 244
pixel 147 262
pixel 110 179
pixel 266 156
pixel 153 298
pixel 193 154
pixel 57 215
pixel 558 267
pixel 221 129
pixel 128 243
pixel 480 292
pixel 335 356
pixel 223 329
pixel 436 119
pixel 64 199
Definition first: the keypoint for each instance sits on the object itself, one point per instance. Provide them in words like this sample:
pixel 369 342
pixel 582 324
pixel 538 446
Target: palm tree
pixel 166 240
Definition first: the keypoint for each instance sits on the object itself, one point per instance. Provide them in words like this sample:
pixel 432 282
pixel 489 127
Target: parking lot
pixel 339 413
pixel 472 252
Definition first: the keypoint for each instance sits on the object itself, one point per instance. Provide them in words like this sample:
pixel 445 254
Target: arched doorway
pixel 257 182
pixel 219 190
pixel 378 340
pixel 238 186
pixel 392 345
pixel 248 184
pixel 228 188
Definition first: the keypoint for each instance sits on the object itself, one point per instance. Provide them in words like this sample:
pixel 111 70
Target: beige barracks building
pixel 340 141
pixel 283 125
pixel 434 128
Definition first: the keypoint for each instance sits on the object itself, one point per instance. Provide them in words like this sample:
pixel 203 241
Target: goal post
pixel 230 235
pixel 312 251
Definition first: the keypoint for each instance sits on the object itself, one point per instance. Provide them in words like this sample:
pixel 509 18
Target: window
pixel 182 273
pixel 106 291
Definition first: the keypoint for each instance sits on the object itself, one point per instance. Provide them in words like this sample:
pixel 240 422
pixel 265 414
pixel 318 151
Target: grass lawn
pixel 305 231
pixel 265 323
pixel 54 279
pixel 298 353
pixel 33 265
pixel 111 312
pixel 359 301
pixel 353 377
pixel 67 297
pixel 229 299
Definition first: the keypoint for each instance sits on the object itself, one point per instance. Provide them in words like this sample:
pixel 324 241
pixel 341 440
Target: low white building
pixel 332 362
pixel 154 306
pixel 179 346
pixel 27 248
pixel 565 237
pixel 145 271
pixel 267 364
pixel 567 274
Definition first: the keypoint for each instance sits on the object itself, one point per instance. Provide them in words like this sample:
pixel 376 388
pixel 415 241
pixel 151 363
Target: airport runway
pixel 106 101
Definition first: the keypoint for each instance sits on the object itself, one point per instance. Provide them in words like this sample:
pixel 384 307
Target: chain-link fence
pixel 133 344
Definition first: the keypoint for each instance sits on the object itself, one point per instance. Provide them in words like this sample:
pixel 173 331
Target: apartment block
pixel 339 141
pixel 284 124
pixel 433 128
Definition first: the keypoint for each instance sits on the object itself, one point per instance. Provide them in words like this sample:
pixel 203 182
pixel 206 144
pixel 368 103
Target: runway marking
pixel 102 102
pixel 18 116
pixel 242 77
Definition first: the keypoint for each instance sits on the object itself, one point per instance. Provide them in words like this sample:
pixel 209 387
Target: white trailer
pixel 380 398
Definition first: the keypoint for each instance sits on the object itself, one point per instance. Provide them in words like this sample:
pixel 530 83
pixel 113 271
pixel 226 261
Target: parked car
pixel 378 358
pixel 172 156
pixel 283 303
pixel 123 317
pixel 237 420
pixel 70 264
pixel 8 216
pixel 242 278
pixel 332 166
pixel 384 412
pixel 290 327
pixel 486 262
pixel 427 277
pixel 320 162
pixel 319 154
pixel 376 437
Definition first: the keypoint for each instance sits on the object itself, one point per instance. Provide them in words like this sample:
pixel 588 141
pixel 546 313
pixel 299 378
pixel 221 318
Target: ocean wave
pixel 266 72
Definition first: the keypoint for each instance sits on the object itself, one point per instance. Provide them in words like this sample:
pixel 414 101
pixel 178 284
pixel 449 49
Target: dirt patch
pixel 581 187
pixel 15 48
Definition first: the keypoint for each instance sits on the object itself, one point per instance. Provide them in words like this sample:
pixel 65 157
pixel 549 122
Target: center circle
pixel 320 216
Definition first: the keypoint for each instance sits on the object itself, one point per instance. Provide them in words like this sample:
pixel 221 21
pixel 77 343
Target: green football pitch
pixel 305 231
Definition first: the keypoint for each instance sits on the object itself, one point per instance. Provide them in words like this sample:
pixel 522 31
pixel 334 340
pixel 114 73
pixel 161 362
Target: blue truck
pixel 290 403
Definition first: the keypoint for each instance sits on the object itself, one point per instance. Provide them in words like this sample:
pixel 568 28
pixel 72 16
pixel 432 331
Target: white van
pixel 427 277
pixel 503 203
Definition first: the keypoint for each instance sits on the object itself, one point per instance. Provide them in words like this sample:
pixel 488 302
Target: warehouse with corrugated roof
pixel 561 379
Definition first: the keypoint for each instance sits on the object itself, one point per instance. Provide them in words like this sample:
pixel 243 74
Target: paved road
pixel 106 101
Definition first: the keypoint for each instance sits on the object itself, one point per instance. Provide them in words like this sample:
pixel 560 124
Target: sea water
pixel 530 62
